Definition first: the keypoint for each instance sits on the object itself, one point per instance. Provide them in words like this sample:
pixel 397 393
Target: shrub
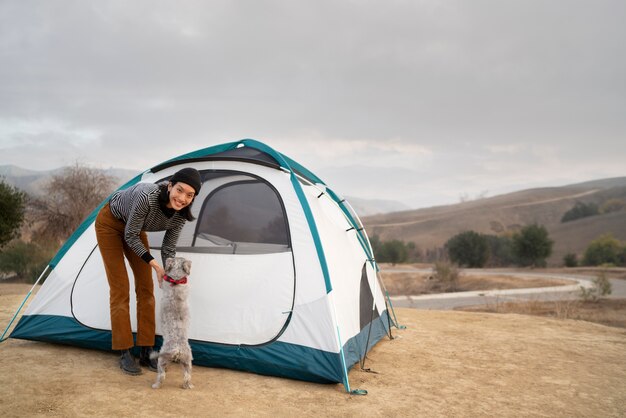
pixel 613 205
pixel 532 245
pixel 500 251
pixel 414 253
pixel 12 202
pixel 376 246
pixel 622 256
pixel 603 250
pixel 393 251
pixel 601 287
pixel 446 276
pixel 468 248
pixel 25 259
pixel 580 210
pixel 570 260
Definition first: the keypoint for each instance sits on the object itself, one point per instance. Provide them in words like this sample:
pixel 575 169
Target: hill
pixel 32 181
pixel 504 214
pixel 367 207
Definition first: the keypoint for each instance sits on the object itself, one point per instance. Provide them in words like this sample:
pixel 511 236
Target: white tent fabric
pixel 281 272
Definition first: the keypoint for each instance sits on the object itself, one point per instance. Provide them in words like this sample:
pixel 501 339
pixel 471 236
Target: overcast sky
pixel 419 101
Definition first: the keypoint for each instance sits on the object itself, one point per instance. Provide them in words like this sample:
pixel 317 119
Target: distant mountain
pixel 504 214
pixel 32 181
pixel 367 207
pixel 600 184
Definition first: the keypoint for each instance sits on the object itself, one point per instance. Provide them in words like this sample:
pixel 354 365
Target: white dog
pixel 174 321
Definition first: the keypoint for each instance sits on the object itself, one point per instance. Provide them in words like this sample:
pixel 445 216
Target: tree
pixel 603 250
pixel 12 203
pixel 601 286
pixel 532 245
pixel 580 210
pixel 70 197
pixel 445 277
pixel 613 205
pixel 570 260
pixel 468 248
pixel 25 259
pixel 389 251
pixel 500 251
pixel 395 251
pixel 622 256
pixel 376 247
pixel 413 253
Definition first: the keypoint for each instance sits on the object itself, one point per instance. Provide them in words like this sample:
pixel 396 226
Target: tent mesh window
pixel 242 216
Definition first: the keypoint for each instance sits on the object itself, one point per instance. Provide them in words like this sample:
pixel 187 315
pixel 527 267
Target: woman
pixel 120 230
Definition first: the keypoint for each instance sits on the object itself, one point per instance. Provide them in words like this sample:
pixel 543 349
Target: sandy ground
pixel 443 364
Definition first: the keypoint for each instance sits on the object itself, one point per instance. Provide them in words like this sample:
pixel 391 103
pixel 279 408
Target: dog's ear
pixel 187 266
pixel 168 263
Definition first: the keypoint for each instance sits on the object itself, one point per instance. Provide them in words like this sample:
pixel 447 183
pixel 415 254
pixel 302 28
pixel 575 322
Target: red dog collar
pixel 174 282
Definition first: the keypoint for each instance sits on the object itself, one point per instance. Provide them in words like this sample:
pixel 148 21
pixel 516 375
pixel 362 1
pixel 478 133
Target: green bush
pixel 24 259
pixel 570 260
pixel 532 245
pixel 393 251
pixel 613 205
pixel 500 251
pixel 12 202
pixel 580 210
pixel 601 287
pixel 469 249
pixel 604 250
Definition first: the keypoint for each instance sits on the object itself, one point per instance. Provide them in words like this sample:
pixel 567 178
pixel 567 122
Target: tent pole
pixel 344 367
pixel 395 320
pixel 22 305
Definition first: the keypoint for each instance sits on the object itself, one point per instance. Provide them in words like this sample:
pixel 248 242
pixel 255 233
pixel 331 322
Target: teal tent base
pixel 273 359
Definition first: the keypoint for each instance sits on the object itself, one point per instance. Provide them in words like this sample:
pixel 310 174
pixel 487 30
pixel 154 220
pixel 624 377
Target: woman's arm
pixel 134 224
pixel 170 239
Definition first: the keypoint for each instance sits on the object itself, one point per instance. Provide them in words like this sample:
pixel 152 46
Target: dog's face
pixel 177 267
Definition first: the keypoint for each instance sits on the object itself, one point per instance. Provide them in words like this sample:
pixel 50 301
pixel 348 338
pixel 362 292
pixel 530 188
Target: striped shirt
pixel 139 208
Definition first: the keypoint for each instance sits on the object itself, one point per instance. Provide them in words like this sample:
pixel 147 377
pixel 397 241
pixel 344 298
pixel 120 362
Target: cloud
pixel 439 97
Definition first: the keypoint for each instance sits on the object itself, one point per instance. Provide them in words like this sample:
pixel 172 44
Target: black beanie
pixel 188 176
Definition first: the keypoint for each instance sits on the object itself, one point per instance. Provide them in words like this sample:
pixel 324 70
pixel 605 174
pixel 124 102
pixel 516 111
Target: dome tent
pixel 283 278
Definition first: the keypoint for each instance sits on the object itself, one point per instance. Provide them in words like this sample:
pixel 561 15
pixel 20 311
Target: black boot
pixel 146 361
pixel 128 363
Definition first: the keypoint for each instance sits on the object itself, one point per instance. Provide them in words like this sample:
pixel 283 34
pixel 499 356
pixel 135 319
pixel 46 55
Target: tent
pixel 283 277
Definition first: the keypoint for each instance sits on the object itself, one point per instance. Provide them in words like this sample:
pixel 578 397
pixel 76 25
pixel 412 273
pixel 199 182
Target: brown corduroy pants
pixel 110 236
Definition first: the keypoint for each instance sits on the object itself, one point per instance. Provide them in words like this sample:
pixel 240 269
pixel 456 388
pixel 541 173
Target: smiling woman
pixel 121 229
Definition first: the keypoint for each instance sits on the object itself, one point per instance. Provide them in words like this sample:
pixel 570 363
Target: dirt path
pixel 444 364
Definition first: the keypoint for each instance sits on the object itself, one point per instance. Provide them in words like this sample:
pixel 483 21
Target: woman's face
pixel 181 195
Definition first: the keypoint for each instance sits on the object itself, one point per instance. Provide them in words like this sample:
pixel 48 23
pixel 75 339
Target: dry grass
pixel 610 312
pixel 16 288
pixel 417 283
pixel 611 273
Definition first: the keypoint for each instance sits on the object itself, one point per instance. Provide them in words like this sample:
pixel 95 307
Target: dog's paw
pixel 187 385
pixel 156 386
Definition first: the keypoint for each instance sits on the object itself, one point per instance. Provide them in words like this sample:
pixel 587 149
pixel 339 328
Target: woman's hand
pixel 158 270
